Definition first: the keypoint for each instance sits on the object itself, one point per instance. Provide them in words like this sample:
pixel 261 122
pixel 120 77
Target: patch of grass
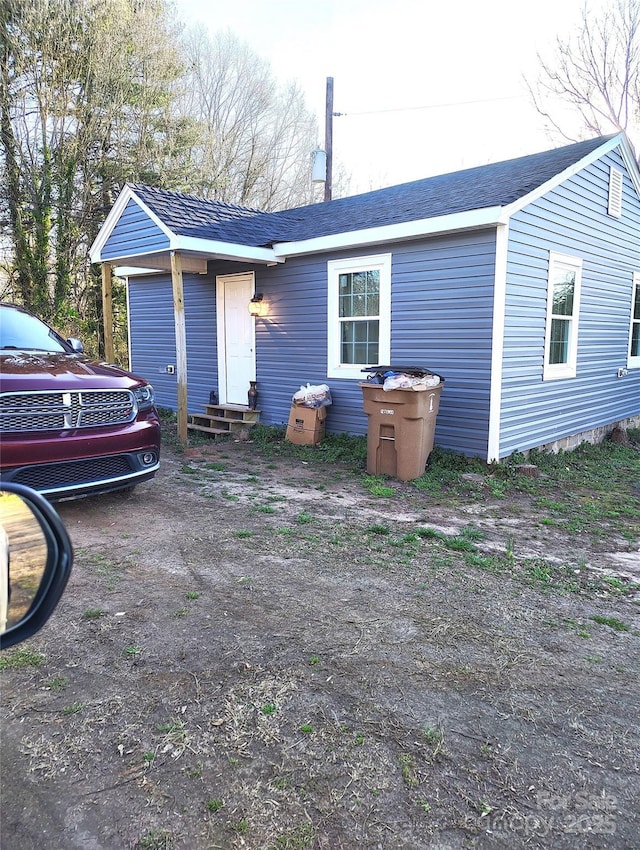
pixel 186 469
pixel 313 659
pixel 306 728
pixel 173 729
pixel 462 542
pixel 458 543
pixel 241 826
pixel 378 529
pixel 298 838
pixel 490 563
pixel 266 509
pixel 429 533
pixel 154 839
pixel 540 572
pixel 410 538
pixel 432 736
pixel 57 683
pixel 74 708
pixel 243 534
pixel 268 708
pixel 132 650
pixel 92 614
pixel 192 594
pixel 408 769
pixel 470 532
pixel 426 484
pixel 214 805
pixel 375 484
pixel 575 626
pixel 612 622
pixel 110 571
pixel 303 518
pixel 216 466
pixel 335 448
pixel 614 584
pixel 181 612
pixel 22 656
pixel 498 488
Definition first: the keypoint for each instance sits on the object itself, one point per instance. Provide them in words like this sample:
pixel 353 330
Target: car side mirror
pixel 76 345
pixel 35 562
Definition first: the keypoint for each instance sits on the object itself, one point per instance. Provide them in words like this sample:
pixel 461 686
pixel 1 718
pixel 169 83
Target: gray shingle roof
pixel 497 184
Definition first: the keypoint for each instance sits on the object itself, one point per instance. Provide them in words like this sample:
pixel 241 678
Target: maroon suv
pixel 70 427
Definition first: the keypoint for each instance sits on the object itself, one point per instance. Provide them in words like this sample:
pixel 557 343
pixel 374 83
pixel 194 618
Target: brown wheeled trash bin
pixel 400 431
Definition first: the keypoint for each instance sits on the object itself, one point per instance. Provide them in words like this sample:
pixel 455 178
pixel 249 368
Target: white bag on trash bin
pixel 410 382
pixel 313 395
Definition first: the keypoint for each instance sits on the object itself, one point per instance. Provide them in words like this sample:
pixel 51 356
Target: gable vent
pixel 615 192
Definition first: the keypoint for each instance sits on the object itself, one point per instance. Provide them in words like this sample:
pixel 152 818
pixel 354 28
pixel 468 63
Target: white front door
pixel 236 337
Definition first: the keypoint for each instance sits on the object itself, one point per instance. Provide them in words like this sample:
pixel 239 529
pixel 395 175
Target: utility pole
pixel 328 138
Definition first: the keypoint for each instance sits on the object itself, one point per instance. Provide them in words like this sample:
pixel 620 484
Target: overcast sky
pixel 390 58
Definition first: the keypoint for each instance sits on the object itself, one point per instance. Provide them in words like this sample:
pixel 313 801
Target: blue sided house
pixel 519 282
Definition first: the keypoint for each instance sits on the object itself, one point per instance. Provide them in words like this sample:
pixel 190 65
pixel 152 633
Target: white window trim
pixel 553 371
pixel 382 262
pixel 614 207
pixel 633 362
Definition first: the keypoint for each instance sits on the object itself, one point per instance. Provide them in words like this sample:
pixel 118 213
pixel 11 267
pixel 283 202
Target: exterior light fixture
pixel 257 307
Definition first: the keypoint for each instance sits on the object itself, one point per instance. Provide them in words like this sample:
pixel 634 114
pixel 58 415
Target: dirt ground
pixel 259 651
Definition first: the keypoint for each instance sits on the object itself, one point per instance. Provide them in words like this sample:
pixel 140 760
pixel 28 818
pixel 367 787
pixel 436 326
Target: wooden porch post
pixel 107 312
pixel 181 344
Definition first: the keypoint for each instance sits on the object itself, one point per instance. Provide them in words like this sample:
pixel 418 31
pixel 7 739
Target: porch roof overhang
pixel 155 255
pixel 195 254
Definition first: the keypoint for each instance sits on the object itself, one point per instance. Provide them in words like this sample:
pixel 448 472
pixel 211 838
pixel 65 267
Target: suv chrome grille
pixel 61 411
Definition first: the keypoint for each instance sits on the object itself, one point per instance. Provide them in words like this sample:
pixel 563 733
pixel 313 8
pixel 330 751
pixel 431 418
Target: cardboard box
pixel 306 425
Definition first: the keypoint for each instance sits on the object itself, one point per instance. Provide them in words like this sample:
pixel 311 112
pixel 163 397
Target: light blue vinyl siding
pixel 441 318
pixel 134 234
pixel 573 220
pixel 152 344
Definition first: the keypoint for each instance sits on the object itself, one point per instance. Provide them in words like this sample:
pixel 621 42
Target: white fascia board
pixel 600 151
pixel 470 220
pixel 133 271
pixel 633 166
pixel 497 342
pixel 215 249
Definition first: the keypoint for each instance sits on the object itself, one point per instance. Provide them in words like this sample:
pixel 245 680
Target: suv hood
pixel 33 370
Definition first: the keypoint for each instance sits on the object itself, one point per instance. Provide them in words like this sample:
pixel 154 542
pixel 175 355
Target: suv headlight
pixel 144 397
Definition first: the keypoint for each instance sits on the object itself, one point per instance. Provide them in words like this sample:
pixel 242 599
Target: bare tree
pixel 597 71
pixel 256 137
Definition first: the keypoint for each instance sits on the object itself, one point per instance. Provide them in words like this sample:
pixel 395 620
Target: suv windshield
pixel 27 333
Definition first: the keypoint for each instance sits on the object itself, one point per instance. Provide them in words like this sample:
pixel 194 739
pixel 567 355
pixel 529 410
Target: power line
pixel 430 106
